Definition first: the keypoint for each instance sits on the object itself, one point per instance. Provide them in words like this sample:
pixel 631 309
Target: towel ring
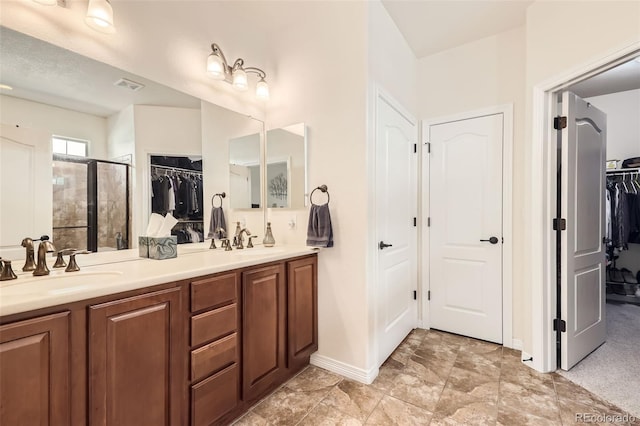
pixel 221 195
pixel 322 188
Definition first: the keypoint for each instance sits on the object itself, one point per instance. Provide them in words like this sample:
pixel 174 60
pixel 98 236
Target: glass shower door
pixel 70 204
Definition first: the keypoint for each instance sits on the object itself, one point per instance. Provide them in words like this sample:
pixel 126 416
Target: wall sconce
pixel 236 75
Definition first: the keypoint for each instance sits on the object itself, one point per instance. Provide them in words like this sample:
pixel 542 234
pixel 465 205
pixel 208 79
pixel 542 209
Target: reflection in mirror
pixel 286 160
pixel 177 189
pixel 90 204
pixel 245 172
pixel 58 92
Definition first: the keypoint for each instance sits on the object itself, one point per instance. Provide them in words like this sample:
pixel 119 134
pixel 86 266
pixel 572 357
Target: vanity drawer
pixel 213 292
pixel 214 356
pixel 214 324
pixel 215 396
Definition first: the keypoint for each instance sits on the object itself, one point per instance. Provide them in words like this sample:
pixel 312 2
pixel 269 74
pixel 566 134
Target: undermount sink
pixel 259 251
pixel 64 282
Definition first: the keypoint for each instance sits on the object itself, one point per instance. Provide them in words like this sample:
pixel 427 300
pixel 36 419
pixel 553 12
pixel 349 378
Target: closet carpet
pixel 436 378
pixel 613 370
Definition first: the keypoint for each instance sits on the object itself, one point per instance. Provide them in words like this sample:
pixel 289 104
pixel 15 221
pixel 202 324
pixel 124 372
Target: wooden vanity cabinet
pixel 34 371
pixel 264 328
pixel 302 311
pixel 135 360
pixel 198 351
pixel 215 349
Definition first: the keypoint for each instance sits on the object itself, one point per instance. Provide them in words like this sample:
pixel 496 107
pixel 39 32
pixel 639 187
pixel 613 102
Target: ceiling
pixel 431 26
pixel 76 82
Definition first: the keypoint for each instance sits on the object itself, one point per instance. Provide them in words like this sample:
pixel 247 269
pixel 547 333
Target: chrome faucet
pixel 241 238
pixel 44 247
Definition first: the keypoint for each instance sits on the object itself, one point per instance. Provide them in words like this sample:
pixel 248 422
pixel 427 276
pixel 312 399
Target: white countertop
pixel 114 272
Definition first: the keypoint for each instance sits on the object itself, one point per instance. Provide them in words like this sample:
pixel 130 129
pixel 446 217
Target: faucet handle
pixel 60 263
pixel 250 243
pixel 7 272
pixel 73 266
pixel 226 244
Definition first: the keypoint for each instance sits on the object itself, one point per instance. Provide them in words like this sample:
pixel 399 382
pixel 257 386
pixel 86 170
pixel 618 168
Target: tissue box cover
pixel 163 247
pixel 143 246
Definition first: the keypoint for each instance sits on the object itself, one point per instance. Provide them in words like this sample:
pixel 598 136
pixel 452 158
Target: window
pixel 68 146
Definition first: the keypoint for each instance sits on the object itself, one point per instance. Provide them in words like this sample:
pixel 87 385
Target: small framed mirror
pixel 245 171
pixel 286 163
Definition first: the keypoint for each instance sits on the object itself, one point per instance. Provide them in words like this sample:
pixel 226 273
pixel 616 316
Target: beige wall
pixel 322 57
pixel 484 73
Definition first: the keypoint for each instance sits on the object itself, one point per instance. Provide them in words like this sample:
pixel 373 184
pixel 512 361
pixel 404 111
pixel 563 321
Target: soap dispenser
pixel 268 240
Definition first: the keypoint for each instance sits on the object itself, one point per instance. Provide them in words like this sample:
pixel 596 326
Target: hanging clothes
pixel 623 212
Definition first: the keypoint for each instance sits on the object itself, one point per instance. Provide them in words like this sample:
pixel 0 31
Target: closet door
pixel 582 268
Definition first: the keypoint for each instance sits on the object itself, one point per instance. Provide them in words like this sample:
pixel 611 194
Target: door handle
pixel 492 240
pixel 382 245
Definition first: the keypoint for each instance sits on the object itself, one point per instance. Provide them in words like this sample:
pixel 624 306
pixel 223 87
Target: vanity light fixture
pixel 236 75
pixel 100 16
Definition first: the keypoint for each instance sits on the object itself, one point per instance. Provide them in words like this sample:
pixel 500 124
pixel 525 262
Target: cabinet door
pixel 263 339
pixel 136 360
pixel 34 371
pixel 302 308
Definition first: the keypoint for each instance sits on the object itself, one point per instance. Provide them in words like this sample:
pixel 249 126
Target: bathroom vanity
pixel 194 340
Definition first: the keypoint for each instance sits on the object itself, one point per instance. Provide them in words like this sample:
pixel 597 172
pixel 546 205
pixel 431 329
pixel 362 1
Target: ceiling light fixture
pixel 100 16
pixel 236 75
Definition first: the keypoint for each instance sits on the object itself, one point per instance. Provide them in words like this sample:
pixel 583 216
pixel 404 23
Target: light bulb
pixel 215 67
pixel 262 90
pixel 240 80
pixel 100 16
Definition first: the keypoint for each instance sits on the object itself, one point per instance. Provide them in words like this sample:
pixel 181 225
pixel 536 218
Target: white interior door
pixel 582 267
pixel 466 226
pixel 396 201
pixel 25 188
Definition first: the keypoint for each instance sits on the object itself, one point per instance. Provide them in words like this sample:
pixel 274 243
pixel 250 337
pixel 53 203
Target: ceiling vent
pixel 129 84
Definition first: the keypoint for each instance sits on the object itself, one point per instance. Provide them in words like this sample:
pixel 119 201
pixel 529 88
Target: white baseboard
pixel 347 370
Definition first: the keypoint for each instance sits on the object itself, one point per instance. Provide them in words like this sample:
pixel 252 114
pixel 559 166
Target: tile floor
pixel 436 378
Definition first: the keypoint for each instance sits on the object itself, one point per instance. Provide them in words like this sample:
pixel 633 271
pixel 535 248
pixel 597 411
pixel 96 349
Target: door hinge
pixel 415 221
pixel 428 144
pixel 559 224
pixel 559 122
pixel 559 324
pixel 428 221
pixel 415 295
pixel 428 294
pixel 415 148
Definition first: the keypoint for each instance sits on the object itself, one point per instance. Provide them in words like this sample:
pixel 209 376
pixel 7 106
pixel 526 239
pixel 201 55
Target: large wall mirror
pixel 122 118
pixel 245 171
pixel 286 164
